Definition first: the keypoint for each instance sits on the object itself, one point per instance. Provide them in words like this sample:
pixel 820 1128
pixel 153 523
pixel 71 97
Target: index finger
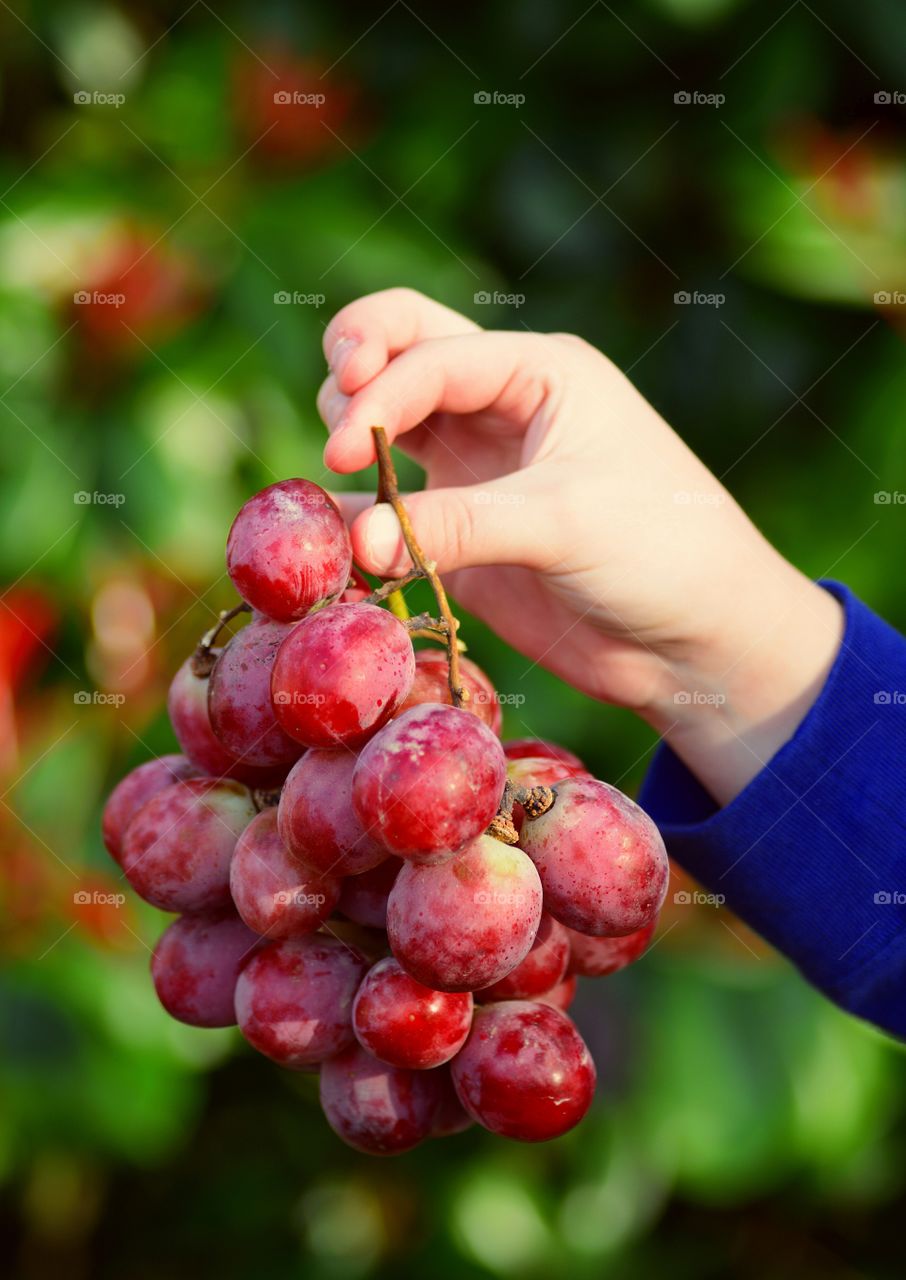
pixel 365 335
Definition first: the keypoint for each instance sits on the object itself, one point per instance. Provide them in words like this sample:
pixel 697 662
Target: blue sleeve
pixel 812 854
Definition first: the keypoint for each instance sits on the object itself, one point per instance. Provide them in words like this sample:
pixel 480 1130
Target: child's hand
pixel 568 515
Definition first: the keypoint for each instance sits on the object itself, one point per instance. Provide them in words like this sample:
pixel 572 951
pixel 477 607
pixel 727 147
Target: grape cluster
pixel 366 879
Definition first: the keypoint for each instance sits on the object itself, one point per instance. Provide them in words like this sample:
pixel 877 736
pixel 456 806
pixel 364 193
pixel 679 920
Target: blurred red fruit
pixel 287 109
pixel 143 291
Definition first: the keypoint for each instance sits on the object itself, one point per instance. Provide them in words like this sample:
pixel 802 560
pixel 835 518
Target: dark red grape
pixel 543 967
pixel 317 821
pixel 450 1117
pixel 370 943
pixel 465 924
pixel 289 549
pixel 187 704
pixel 524 1072
pixel 597 957
pixel 131 792
pixel 340 674
pixel 429 782
pixel 518 748
pixel 601 859
pixel 275 894
pixel 195 966
pixel 406 1024
pixel 294 998
pixel 562 995
pixel 431 684
pixel 177 848
pixel 377 1108
pixel 239 698
pixel 363 898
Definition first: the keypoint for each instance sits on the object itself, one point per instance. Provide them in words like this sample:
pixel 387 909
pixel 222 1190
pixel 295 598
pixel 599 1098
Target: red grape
pixel 518 748
pixel 465 924
pixel 597 957
pixel 377 1108
pixel 363 898
pixel 524 1072
pixel 131 792
pixel 177 848
pixel 543 967
pixel 294 998
pixel 406 1024
pixel 429 782
pixel 431 684
pixel 539 771
pixel 195 966
pixel 601 859
pixel 289 549
pixel 340 674
pixel 316 818
pixel 562 995
pixel 276 895
pixel 187 704
pixel 450 1117
pixel 370 943
pixel 239 697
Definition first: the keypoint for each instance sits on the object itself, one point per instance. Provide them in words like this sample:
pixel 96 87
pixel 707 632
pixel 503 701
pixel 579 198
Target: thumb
pixel 459 528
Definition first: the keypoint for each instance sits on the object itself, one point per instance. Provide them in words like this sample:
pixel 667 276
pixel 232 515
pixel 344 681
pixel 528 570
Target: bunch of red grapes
pixel 338 841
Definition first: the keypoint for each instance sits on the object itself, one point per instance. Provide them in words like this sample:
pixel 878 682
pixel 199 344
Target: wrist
pixel 733 703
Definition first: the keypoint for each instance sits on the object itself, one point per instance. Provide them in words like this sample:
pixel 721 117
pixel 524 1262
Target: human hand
pixel 565 512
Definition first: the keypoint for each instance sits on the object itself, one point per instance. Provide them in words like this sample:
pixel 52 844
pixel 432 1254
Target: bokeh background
pixel 711 190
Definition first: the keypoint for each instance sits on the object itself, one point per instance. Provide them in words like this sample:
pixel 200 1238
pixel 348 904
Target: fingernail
pixel 339 357
pixel 382 536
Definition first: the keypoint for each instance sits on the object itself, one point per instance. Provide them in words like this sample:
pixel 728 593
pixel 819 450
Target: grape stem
pixel 393 584
pixel 534 801
pixel 446 624
pixel 202 658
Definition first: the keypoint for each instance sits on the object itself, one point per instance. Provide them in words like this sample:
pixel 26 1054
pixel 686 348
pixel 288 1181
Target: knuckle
pixel 402 293
pixel 573 340
pixel 450 531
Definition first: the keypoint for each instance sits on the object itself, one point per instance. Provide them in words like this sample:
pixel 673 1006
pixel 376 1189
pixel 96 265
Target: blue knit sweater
pixel 812 854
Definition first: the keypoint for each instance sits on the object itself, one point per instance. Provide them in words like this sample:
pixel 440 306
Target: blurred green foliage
pixel 744 1126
